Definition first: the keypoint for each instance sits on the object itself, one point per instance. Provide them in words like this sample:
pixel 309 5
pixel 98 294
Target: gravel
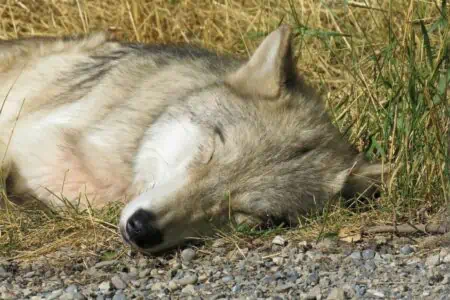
pixel 273 269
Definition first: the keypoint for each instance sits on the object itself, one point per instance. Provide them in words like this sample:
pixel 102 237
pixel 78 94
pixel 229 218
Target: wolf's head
pixel 254 146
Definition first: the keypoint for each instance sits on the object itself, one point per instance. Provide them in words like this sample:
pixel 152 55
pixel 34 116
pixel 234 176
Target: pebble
pixel 119 296
pixel 105 263
pixel 144 273
pixel 189 279
pixel 433 260
pixel 336 294
pixel 313 278
pixel 376 293
pixel 284 287
pixel 279 240
pixel 360 290
pixel 236 289
pixel 104 286
pixel 314 293
pixel 55 294
pixel 156 287
pixel 278 260
pixel 172 286
pixel 29 274
pixel 266 272
pixel 118 283
pixel 356 255
pixel 188 289
pixel 446 259
pixel 142 263
pixel 187 255
pixel 227 279
pixel 406 250
pixel 368 254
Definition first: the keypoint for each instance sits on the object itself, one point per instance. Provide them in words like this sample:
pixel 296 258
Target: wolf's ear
pixel 270 69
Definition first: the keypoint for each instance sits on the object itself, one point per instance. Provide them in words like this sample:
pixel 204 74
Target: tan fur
pixel 183 134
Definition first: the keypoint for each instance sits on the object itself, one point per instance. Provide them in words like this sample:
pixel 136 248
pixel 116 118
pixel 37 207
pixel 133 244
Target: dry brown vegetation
pixel 382 67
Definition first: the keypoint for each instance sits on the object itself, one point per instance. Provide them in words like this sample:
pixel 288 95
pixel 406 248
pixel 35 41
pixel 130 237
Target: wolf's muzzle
pixel 141 230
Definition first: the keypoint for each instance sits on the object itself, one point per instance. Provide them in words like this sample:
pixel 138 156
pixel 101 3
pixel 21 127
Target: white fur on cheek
pixel 169 147
pixel 161 164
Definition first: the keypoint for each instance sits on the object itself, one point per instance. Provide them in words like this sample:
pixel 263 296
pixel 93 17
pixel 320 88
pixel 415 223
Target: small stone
pixel 376 293
pixel 278 260
pixel 72 289
pixel 104 286
pixel 360 290
pixel 314 294
pixel 133 273
pixel 188 289
pixel 26 292
pixel 326 245
pixel 227 279
pixel 29 274
pixel 187 255
pixel 368 254
pixel 336 294
pixel 8 296
pixel 446 259
pixel 55 294
pixel 172 286
pixel 118 283
pixel 135 283
pixel 279 240
pixel 433 260
pixel 158 286
pixel 142 263
pixel 356 255
pixel 119 296
pixel 236 289
pixel 105 263
pixel 388 258
pixel 313 278
pixel 154 273
pixel 217 260
pixel 189 279
pixel 144 273
pixel 292 276
pixel 406 250
pixel 66 296
pixel 370 266
pixel 380 240
pixel 284 287
pixel 79 296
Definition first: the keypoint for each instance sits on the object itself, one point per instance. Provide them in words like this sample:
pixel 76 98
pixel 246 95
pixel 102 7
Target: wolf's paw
pixel 246 219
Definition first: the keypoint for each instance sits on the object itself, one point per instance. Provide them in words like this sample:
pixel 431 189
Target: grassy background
pixel 382 66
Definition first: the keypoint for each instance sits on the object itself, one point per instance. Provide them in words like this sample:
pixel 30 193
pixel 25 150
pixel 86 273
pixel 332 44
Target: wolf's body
pixel 182 133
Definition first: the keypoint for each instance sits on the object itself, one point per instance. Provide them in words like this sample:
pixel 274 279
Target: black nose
pixel 142 231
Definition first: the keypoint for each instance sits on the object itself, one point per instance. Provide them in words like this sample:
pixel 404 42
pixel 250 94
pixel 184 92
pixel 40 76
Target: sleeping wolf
pixel 186 138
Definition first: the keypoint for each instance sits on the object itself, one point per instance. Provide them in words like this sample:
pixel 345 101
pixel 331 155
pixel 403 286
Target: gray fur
pixel 273 153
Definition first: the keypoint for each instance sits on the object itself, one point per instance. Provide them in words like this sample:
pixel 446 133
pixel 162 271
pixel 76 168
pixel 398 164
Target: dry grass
pixel 382 66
